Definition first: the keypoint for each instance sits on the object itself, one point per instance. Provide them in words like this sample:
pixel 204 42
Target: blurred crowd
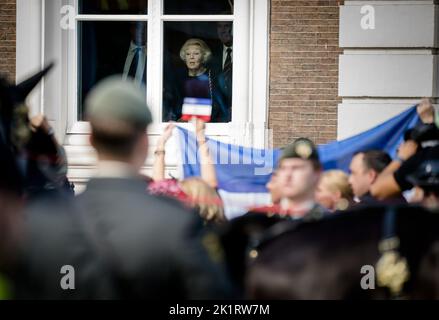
pixel 132 236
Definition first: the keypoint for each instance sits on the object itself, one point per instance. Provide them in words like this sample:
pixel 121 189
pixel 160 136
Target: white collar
pixel 114 169
pixel 226 47
pixel 134 46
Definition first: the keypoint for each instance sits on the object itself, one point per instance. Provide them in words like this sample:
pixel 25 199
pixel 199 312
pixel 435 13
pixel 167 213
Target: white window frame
pixel 250 67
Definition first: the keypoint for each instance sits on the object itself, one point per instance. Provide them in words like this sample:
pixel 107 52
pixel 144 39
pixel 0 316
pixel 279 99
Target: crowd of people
pixel 132 236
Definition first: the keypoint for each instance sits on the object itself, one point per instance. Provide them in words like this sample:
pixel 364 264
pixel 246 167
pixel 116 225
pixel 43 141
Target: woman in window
pixel 197 81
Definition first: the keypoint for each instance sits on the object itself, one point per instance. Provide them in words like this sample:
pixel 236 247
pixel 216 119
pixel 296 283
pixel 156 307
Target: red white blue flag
pixel 196 108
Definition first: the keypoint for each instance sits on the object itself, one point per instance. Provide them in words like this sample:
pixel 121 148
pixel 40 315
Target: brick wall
pixel 7 38
pixel 304 70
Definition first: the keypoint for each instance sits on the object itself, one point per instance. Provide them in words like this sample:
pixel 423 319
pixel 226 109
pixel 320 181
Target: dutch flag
pixel 196 108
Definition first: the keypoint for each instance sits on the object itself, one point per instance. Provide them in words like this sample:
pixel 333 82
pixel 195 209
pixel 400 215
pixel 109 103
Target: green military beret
pixel 116 99
pixel 301 148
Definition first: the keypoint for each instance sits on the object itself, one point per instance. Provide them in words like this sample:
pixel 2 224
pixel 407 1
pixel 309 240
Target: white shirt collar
pixel 225 48
pixel 114 169
pixel 134 46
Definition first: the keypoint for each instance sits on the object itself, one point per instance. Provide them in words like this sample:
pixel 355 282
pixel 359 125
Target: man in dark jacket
pixel 114 241
pixel 365 168
pixel 152 246
pixel 222 59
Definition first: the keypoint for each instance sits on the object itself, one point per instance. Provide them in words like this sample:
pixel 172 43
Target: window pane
pixel 199 7
pixel 113 6
pixel 198 63
pixel 108 48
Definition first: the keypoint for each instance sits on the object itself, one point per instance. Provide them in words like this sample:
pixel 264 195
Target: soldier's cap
pixel 302 148
pixel 114 99
pixel 426 175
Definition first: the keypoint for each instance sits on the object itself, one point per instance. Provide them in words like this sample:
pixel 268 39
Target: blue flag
pixel 242 172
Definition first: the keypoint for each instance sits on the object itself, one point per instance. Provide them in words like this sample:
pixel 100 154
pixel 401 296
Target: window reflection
pixel 113 7
pixel 108 48
pixel 198 63
pixel 199 7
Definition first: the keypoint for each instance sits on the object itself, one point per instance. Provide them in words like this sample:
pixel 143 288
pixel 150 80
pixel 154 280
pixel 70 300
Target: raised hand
pixel 200 127
pixel 426 111
pixel 167 133
pixel 40 123
pixel 407 149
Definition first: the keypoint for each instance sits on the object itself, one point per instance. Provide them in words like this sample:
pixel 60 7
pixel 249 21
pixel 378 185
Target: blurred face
pixel 297 179
pixel 325 197
pixel 194 57
pixel 225 32
pixel 360 179
pixel 274 189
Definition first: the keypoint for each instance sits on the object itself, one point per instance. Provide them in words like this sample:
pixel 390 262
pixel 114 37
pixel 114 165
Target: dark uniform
pixel 53 238
pixel 21 176
pixel 369 200
pixel 120 241
pixel 244 234
pixel 36 163
pixel 154 248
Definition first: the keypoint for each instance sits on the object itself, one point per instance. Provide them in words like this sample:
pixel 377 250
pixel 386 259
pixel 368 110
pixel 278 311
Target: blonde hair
pixel 337 180
pixel 204 198
pixel 205 50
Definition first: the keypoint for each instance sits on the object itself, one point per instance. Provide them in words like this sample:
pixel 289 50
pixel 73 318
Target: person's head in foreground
pixel 334 191
pixel 119 117
pixel 298 173
pixel 365 168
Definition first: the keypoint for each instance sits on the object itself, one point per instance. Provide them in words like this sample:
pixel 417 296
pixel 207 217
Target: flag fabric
pixel 196 108
pixel 243 172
